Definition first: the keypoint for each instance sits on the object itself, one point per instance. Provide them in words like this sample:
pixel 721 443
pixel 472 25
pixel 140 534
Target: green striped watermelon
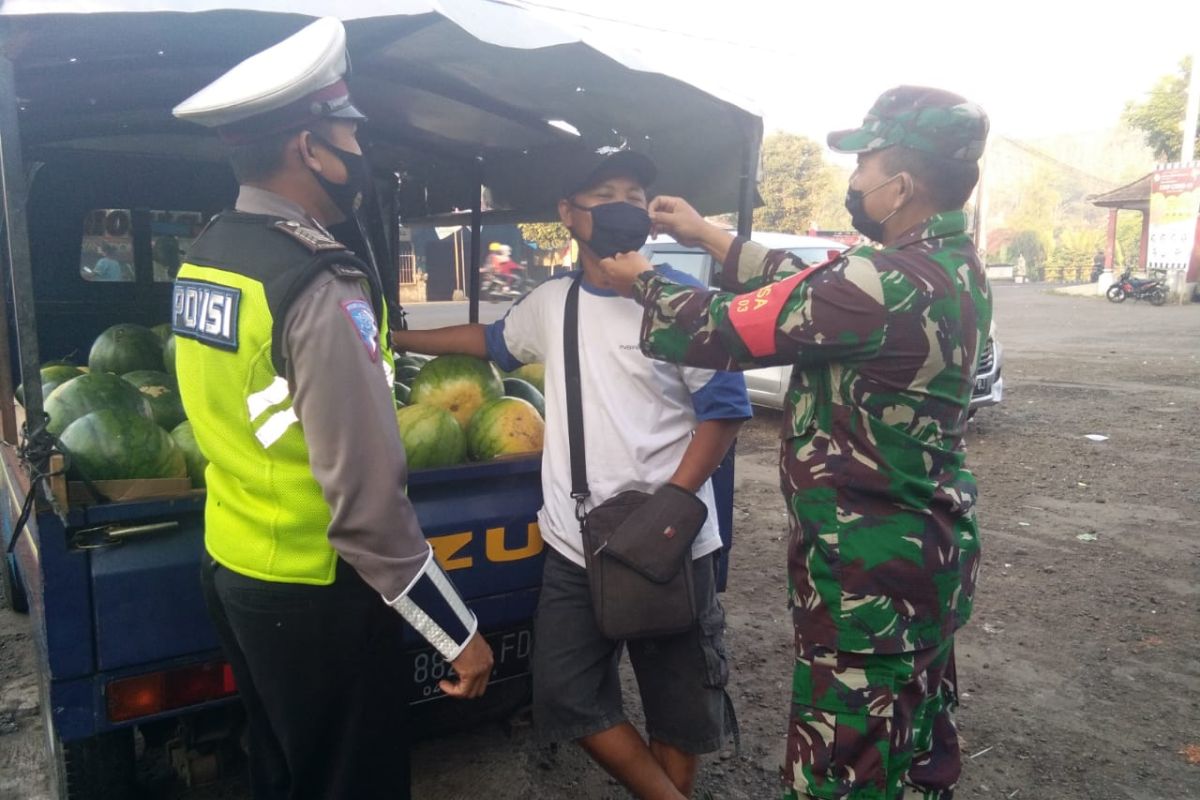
pixel 411 360
pixel 92 392
pixel 505 427
pixel 54 374
pixel 432 437
pixel 460 384
pixel 185 440
pixel 403 393
pixel 515 387
pixel 169 355
pixel 407 373
pixel 126 348
pixel 533 373
pixel 160 390
pixel 114 444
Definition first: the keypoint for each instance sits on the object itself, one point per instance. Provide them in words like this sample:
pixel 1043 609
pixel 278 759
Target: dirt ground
pixel 1079 674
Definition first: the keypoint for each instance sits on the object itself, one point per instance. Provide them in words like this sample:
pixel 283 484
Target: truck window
pixel 107 253
pixel 116 239
pixel 171 234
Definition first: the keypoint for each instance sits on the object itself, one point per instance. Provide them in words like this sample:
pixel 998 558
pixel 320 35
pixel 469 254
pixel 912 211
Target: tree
pixel 1031 244
pixel 1160 117
pixel 830 212
pixel 795 176
pixel 1037 208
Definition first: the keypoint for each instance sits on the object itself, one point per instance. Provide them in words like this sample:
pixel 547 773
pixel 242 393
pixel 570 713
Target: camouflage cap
pixel 920 118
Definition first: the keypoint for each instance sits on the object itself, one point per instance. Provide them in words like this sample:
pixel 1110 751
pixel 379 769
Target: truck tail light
pixel 155 692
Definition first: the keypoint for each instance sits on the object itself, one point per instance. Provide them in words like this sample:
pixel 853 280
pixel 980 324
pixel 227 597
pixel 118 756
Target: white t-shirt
pixel 638 413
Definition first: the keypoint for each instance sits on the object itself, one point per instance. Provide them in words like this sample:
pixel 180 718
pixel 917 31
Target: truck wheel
pixel 13 588
pixel 99 768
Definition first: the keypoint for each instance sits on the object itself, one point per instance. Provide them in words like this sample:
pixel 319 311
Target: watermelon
pixel 432 437
pixel 54 374
pixel 515 387
pixel 403 393
pixel 410 360
pixel 169 354
pixel 126 348
pixel 185 440
pixel 532 373
pixel 460 384
pixel 407 373
pixel 505 427
pixel 162 331
pixel 92 392
pixel 160 390
pixel 114 444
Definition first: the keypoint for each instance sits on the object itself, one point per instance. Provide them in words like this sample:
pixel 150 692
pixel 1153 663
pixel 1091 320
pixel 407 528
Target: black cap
pixel 607 163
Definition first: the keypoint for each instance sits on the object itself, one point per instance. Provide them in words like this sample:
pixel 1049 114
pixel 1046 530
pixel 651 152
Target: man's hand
pixel 675 216
pixel 473 667
pixel 622 269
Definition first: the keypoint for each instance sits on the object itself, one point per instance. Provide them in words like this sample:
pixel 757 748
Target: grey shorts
pixel 576 685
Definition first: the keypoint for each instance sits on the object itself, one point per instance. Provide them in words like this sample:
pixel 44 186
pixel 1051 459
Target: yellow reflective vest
pixel 265 515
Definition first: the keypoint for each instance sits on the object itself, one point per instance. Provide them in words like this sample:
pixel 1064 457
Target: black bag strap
pixel 579 487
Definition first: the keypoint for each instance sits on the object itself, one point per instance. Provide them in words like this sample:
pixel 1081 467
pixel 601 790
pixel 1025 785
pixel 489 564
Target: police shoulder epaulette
pixel 314 240
pixel 346 271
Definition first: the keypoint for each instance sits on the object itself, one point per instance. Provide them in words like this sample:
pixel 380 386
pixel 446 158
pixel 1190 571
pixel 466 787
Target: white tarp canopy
pixel 458 91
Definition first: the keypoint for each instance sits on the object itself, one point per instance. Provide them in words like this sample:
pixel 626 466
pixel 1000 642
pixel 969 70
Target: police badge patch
pixel 362 317
pixel 206 312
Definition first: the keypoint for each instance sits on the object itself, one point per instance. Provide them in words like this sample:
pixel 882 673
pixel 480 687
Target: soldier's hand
pixel 675 216
pixel 622 269
pixel 473 667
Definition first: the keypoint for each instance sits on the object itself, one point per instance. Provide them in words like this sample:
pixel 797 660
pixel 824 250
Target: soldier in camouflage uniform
pixel 884 546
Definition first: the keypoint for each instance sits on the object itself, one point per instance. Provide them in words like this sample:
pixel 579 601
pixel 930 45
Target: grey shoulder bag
pixel 638 546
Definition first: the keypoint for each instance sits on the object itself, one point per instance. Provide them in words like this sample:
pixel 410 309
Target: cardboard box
pixel 75 493
pixel 119 491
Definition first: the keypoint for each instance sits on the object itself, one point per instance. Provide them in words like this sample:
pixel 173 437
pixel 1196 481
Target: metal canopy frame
pixel 462 94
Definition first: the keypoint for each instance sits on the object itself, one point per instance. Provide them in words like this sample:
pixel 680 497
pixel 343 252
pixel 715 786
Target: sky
pixel 1038 68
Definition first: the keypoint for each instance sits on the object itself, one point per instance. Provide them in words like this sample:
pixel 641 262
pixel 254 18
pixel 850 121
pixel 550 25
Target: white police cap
pixel 295 82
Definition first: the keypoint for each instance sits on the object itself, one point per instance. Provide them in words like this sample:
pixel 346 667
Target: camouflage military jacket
pixel 883 547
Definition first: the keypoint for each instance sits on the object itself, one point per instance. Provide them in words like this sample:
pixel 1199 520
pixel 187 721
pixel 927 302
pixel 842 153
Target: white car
pixel 768 386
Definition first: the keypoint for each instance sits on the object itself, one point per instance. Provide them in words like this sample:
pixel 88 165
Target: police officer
pixel 884 546
pixel 315 558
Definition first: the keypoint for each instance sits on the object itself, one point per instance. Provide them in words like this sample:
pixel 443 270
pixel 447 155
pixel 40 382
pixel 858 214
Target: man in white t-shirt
pixel 646 423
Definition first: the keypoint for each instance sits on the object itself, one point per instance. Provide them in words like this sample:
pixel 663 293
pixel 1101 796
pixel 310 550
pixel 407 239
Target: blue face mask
pixel 618 227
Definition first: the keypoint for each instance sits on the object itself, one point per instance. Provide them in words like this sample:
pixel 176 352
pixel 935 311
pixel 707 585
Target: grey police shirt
pixel 345 405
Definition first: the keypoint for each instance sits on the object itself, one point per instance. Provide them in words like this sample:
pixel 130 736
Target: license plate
pixel 426 668
pixel 983 386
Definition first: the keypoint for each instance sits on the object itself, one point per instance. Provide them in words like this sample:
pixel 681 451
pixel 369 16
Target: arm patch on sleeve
pixel 755 315
pixel 362 317
pixel 434 608
pixel 206 312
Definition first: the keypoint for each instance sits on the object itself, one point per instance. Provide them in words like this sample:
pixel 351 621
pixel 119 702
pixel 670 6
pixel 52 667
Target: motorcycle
pixel 1137 288
pixel 495 287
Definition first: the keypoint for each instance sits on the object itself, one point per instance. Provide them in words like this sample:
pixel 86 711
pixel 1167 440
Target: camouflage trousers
pixel 873 727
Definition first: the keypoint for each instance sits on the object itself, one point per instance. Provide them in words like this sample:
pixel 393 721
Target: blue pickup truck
pixel 89 153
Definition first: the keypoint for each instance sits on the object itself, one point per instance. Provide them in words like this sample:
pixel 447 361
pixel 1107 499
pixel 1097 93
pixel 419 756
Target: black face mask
pixel 618 227
pixel 345 196
pixel 856 204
